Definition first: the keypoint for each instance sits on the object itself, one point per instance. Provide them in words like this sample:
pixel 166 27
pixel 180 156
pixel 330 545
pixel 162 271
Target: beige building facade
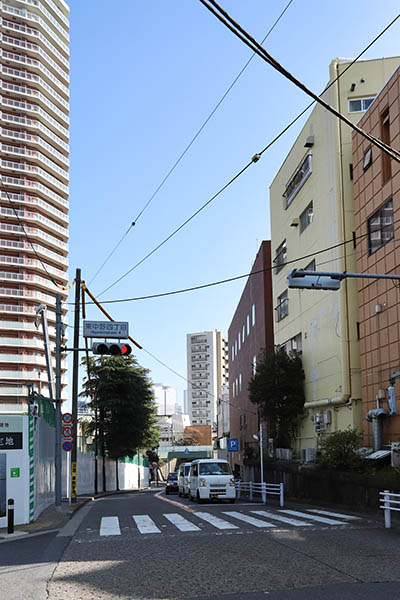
pixel 313 226
pixel 34 138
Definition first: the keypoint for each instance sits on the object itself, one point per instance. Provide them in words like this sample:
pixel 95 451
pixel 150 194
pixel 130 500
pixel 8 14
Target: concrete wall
pixel 131 475
pixel 44 468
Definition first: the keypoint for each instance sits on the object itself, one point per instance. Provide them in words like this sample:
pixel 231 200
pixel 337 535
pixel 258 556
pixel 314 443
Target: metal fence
pixel 389 501
pixel 263 489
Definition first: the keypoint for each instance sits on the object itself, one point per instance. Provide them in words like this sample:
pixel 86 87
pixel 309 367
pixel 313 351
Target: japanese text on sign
pixel 11 441
pixel 73 480
pixel 106 329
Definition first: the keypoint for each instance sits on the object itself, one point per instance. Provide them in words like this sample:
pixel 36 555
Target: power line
pixel 243 35
pixel 189 145
pixel 237 277
pixel 255 158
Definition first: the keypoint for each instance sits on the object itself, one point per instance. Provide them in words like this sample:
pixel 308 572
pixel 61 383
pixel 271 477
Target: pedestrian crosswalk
pixel 226 520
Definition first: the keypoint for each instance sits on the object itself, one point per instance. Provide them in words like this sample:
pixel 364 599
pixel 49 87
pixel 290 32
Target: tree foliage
pixel 277 389
pixel 339 450
pixel 127 414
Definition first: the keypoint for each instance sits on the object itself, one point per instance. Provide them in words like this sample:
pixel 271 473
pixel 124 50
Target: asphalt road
pixel 143 547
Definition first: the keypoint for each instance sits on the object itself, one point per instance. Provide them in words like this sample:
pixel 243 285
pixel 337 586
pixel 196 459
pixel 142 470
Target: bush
pixel 339 450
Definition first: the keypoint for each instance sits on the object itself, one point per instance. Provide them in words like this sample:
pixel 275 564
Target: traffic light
pixel 312 280
pixel 111 348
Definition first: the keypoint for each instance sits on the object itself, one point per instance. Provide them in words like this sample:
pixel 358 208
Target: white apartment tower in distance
pixel 34 98
pixel 207 371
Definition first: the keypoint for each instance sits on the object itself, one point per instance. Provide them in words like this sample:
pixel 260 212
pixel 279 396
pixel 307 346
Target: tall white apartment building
pixel 207 371
pixel 165 399
pixel 34 129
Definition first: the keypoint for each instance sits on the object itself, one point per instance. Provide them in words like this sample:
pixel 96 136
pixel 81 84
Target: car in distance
pixel 171 484
pixel 183 485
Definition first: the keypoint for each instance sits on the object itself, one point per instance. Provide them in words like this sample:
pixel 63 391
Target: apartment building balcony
pixel 195 367
pixel 32 264
pixel 25 326
pixel 17 60
pixel 23 152
pixel 22 359
pixel 29 374
pixel 30 185
pixel 57 11
pixel 12 43
pixel 21 343
pixel 29 279
pixel 36 36
pixel 27 309
pixel 27 294
pixel 29 92
pixel 37 172
pixel 37 234
pixel 22 75
pixel 28 18
pixel 51 135
pixel 26 215
pixel 27 247
pixel 36 7
pixel 37 203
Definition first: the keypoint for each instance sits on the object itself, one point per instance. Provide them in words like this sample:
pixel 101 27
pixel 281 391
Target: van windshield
pixel 215 469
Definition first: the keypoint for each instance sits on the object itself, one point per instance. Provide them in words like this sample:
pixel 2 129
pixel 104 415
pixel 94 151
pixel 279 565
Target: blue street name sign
pixel 233 445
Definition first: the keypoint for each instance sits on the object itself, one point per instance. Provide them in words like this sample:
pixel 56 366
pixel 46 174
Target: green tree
pixel 125 403
pixel 277 388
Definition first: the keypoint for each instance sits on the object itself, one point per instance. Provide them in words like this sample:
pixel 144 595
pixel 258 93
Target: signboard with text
pixel 106 329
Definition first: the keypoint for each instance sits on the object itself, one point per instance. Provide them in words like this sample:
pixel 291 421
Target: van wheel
pixel 198 499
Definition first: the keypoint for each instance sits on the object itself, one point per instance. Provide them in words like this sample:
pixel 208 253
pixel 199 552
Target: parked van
pixel 211 479
pixel 183 474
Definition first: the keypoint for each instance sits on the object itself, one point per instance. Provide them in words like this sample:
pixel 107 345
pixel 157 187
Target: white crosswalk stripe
pixel 109 526
pixel 303 515
pixel 213 520
pixel 248 519
pixel 282 519
pixel 332 514
pixel 181 523
pixel 145 524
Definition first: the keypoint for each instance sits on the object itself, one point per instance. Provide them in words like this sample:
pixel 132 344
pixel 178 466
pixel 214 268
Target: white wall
pixel 44 453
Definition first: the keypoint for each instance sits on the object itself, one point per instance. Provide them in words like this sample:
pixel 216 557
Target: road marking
pixel 296 513
pixel 181 523
pixel 332 514
pixel 109 526
pixel 213 520
pixel 269 515
pixel 248 519
pixel 145 524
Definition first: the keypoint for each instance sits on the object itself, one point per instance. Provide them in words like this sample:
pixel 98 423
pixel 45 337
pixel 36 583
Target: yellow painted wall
pixel 327 320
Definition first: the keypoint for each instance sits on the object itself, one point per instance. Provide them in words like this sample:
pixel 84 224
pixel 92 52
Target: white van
pixel 211 479
pixel 183 474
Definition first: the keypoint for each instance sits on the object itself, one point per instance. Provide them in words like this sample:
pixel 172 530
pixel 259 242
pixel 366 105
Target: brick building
pixel 377 224
pixel 250 331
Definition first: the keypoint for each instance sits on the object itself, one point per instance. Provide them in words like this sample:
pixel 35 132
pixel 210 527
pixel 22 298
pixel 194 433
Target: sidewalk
pixel 55 517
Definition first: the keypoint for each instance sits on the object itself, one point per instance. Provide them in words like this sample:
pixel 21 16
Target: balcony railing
pixel 33 263
pixel 34 154
pixel 27 91
pixel 15 42
pixel 37 202
pixel 22 74
pixel 28 183
pixel 22 120
pixel 26 214
pixel 33 62
pixel 22 28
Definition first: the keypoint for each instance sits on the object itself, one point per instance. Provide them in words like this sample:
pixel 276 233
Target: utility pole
pixel 58 399
pixel 75 371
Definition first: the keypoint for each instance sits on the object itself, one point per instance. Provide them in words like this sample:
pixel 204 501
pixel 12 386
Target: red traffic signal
pixel 111 348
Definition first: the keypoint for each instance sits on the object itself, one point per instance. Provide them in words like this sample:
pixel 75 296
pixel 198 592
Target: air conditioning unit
pixel 307 455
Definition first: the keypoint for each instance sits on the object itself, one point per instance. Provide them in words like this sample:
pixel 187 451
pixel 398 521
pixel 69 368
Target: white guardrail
pixel 264 489
pixel 389 501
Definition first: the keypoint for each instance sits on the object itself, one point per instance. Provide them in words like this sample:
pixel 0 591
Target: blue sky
pixel 144 76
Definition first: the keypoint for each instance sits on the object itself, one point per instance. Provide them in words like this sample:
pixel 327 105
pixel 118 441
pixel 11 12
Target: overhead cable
pixel 189 145
pixel 243 35
pixel 255 158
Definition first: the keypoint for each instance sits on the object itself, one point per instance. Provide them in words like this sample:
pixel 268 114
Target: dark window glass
pixel 381 227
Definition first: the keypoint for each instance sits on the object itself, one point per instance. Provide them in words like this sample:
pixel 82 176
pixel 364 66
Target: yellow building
pixel 312 210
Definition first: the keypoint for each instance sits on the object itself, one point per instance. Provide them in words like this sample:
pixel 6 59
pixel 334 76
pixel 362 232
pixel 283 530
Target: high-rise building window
pixel 280 257
pixel 306 217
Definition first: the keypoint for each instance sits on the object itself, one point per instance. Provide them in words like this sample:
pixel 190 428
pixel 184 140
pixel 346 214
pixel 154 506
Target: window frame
pixel 308 219
pixel 362 100
pixel 304 169
pixel 372 247
pixel 280 251
pixel 282 307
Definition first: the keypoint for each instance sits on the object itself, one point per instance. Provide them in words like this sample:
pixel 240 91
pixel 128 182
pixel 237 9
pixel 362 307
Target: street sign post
pixel 106 329
pixel 233 445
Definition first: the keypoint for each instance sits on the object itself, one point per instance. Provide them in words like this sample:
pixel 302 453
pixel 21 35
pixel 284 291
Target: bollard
pixel 264 493
pixel 238 489
pixel 388 522
pixel 281 497
pixel 251 491
pixel 10 515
